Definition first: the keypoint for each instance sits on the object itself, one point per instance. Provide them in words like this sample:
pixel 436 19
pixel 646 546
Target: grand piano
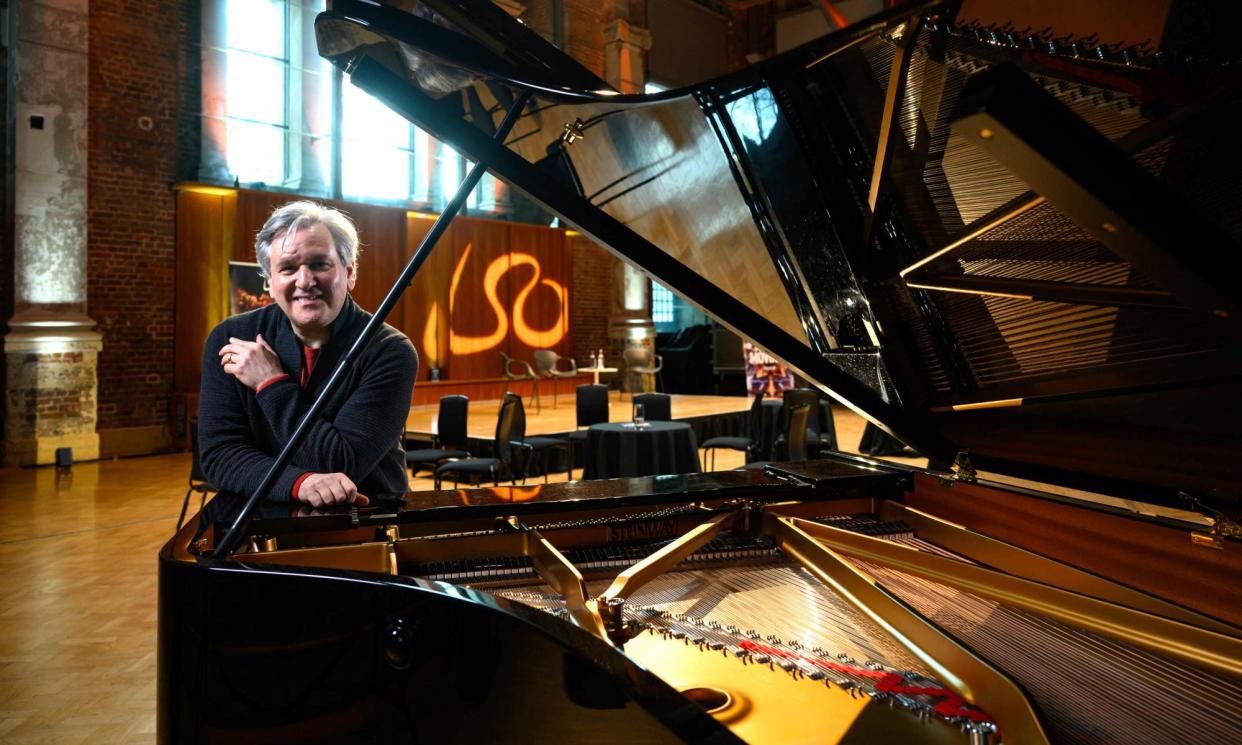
pixel 1018 254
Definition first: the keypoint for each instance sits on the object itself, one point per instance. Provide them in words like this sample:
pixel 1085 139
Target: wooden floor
pixel 78 591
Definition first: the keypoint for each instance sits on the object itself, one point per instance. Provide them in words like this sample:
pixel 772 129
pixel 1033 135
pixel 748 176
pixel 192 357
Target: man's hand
pixel 323 489
pixel 251 362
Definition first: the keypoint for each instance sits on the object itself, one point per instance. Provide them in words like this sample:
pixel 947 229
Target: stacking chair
pixel 795 436
pixel 545 367
pixel 521 370
pixel 501 462
pixel 638 362
pixel 449 442
pixel 592 404
pixel 534 446
pixel 816 439
pixel 745 445
pixel 198 480
pixel 657 407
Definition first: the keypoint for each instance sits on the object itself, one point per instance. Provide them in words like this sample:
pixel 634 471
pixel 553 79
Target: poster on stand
pixel 765 375
pixel 246 288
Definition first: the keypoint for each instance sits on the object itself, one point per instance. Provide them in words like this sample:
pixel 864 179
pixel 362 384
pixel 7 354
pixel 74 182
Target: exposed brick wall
pixel 136 51
pixel 591 294
pixel 7 269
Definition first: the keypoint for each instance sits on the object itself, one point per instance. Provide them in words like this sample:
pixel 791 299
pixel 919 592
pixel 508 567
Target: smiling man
pixel 263 369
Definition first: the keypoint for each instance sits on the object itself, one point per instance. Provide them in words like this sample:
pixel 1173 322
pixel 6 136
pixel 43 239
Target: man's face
pixel 309 282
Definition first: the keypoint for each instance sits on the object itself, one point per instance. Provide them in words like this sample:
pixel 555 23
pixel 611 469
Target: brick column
pixel 51 347
pixel 629 321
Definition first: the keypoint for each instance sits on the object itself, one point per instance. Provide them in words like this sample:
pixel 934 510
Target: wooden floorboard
pixel 78 590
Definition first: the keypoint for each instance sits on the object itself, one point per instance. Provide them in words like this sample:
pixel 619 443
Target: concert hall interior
pixel 654 288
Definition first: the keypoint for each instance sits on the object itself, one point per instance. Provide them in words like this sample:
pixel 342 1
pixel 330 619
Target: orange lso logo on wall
pixel 537 338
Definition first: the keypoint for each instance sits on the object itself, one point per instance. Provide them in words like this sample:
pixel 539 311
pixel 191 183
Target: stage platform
pixel 428 392
pixel 421 422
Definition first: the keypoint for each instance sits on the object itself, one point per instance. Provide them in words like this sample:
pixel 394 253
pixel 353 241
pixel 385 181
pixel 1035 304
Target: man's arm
pixel 368 422
pixel 230 453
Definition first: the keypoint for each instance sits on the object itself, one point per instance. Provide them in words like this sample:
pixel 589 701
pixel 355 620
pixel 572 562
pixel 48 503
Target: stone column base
pixel 39 451
pixel 50 391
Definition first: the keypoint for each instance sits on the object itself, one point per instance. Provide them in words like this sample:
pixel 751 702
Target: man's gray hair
pixel 296 216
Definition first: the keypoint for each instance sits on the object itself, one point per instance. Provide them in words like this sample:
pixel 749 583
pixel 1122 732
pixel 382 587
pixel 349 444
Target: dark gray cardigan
pixel 359 432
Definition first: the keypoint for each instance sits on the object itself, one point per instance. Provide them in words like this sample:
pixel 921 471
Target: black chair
pixel 746 445
pixel 795 436
pixel 819 435
pixel 450 440
pixel 501 462
pixel 657 407
pixel 521 370
pixel 532 446
pixel 592 404
pixel 198 479
pixel 546 361
pixel 638 362
pixel 876 441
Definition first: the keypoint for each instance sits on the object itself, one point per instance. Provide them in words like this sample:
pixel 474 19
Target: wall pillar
pixel 51 346
pixel 629 318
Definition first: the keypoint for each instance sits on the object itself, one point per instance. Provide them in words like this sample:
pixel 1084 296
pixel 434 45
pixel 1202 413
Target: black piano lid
pixel 1082 333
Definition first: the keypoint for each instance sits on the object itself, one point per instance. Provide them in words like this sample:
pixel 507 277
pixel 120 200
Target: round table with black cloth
pixel 619 450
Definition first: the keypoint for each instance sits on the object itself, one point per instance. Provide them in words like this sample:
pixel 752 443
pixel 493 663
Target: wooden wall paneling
pixel 480 305
pixel 205 236
pixel 425 309
pixel 544 309
pixel 381 236
pixel 253 209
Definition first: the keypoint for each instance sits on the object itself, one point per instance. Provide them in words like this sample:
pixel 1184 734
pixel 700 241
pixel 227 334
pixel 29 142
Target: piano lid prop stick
pixel 231 538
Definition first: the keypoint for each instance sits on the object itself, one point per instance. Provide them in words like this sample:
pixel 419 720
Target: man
pixel 263 369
